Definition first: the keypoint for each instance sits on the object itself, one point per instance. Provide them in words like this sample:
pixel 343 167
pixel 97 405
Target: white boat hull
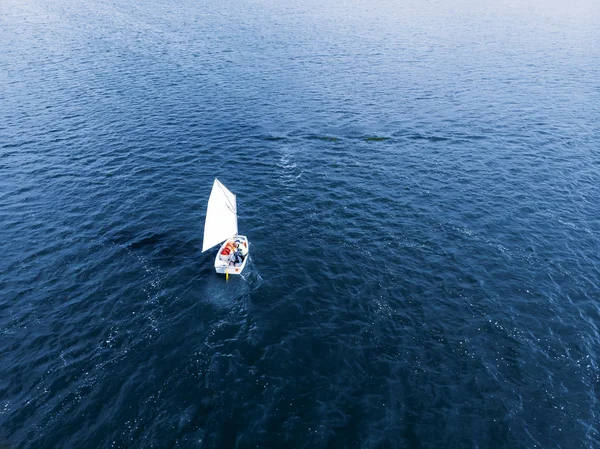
pixel 224 262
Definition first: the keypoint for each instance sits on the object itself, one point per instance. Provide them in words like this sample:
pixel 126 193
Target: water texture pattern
pixel 420 185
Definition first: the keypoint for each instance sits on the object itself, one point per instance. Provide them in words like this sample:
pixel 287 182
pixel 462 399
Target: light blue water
pixel 420 185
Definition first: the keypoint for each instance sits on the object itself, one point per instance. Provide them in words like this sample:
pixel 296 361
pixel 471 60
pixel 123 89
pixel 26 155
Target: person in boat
pixel 237 256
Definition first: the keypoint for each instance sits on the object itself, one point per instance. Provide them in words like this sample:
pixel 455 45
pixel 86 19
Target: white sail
pixel 221 216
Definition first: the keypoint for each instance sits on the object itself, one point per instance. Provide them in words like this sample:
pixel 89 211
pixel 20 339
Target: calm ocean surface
pixel 420 184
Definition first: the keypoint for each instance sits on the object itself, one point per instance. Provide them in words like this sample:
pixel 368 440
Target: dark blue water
pixel 420 184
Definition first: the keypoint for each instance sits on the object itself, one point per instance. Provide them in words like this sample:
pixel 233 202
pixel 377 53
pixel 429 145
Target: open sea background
pixel 420 184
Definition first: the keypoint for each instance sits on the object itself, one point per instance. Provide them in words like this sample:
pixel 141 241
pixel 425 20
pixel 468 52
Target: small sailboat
pixel 221 226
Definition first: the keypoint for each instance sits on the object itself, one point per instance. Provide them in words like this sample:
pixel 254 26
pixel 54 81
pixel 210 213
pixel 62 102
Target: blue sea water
pixel 420 184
